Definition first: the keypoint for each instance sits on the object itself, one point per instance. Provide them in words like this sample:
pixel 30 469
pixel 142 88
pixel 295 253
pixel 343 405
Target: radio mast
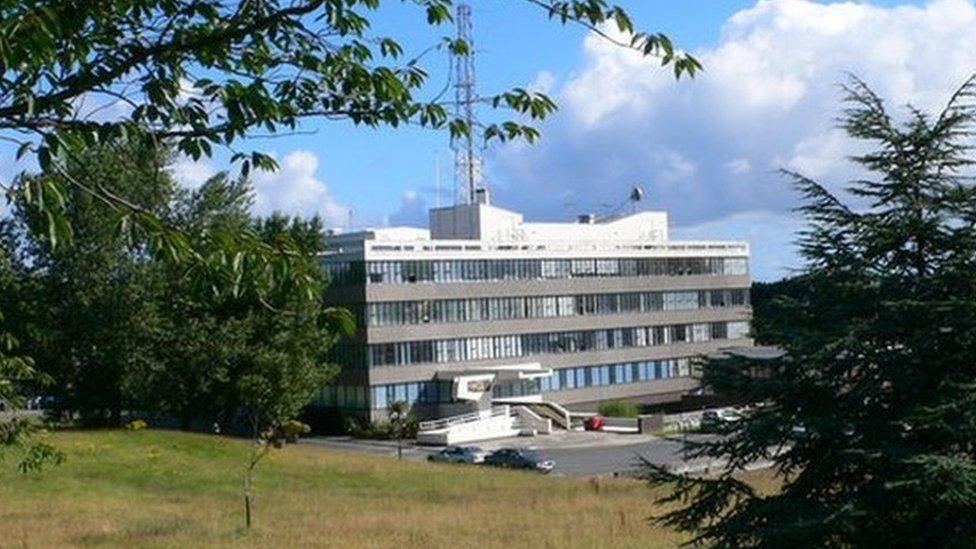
pixel 467 160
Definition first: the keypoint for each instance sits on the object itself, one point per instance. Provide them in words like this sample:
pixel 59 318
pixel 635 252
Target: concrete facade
pixel 475 255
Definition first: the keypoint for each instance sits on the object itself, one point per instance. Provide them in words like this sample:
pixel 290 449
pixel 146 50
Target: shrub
pixel 616 408
pixel 379 430
pixel 136 425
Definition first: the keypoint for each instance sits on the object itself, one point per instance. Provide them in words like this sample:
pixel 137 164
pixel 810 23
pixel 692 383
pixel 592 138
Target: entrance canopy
pixel 476 383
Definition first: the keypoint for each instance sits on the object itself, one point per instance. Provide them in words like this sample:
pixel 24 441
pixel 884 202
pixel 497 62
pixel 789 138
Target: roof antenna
pixel 467 161
pixel 636 195
pixel 437 179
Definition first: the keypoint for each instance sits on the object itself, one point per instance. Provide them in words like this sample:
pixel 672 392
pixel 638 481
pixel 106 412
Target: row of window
pixel 406 353
pixel 468 270
pixel 563 379
pixel 615 374
pixel 342 396
pixel 354 396
pixel 395 313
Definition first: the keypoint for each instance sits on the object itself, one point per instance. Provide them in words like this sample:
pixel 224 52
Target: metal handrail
pixel 470 417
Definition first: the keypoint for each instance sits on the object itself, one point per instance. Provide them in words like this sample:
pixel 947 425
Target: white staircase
pixel 559 416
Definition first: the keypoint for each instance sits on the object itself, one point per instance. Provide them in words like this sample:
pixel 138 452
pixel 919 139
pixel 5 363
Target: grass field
pixel 168 489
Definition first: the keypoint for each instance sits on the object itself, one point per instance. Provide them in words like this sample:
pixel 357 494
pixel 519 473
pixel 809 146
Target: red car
pixel 594 423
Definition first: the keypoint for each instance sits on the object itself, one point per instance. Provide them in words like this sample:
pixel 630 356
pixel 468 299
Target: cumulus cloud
pixel 293 189
pixel 709 149
pixel 192 173
pixel 544 82
pixel 738 166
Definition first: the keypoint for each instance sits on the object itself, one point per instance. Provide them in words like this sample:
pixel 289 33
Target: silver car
pixel 459 454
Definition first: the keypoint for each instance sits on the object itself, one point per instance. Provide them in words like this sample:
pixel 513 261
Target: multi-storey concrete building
pixel 486 306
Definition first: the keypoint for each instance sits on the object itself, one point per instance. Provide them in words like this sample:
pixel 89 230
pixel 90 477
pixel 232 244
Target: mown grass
pixel 169 489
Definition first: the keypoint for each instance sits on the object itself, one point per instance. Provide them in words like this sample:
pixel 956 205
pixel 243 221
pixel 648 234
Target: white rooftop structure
pixel 487 231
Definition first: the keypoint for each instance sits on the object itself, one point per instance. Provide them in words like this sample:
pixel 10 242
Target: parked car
pixel 517 458
pixel 459 454
pixel 799 432
pixel 712 419
pixel 594 423
pixel 42 402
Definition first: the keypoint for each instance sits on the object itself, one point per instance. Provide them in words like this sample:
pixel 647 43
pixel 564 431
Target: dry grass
pixel 168 489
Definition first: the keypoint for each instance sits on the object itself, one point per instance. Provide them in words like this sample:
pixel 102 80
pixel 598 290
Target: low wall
pixel 621 422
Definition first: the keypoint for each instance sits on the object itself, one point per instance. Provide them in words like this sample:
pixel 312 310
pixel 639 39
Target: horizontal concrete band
pixel 644 391
pixel 561 286
pixel 418 332
pixel 587 399
pixel 425 372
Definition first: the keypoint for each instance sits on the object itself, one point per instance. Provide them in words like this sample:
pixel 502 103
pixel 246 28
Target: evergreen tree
pixel 870 417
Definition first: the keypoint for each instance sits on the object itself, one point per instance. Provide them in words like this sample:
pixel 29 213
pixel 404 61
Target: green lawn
pixel 169 489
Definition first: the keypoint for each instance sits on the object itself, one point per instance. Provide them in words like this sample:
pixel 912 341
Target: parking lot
pixel 576 453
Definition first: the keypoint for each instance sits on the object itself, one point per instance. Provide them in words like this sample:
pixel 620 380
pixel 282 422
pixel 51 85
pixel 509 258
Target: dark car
pixel 459 454
pixel 713 420
pixel 42 402
pixel 516 458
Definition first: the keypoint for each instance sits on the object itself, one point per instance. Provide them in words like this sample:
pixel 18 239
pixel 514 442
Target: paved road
pixel 590 457
pixel 619 458
pixel 597 460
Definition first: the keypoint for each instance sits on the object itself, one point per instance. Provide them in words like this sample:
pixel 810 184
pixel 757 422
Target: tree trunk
pixel 247 499
pixel 247 510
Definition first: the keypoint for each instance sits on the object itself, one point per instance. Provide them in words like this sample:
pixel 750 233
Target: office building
pixel 486 307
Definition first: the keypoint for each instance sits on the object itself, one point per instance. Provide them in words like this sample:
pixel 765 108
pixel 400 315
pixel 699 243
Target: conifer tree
pixel 870 415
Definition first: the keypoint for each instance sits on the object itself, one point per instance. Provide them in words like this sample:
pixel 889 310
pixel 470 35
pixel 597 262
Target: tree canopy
pixel 119 329
pixel 203 74
pixel 870 417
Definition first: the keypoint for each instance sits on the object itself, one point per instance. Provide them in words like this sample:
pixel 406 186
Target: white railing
pixel 528 419
pixel 446 422
pixel 535 247
pixel 499 422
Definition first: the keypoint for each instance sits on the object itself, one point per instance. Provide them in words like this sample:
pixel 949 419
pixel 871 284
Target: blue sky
pixel 370 170
pixel 706 150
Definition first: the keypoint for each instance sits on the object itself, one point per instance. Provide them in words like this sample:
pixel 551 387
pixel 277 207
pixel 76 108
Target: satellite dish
pixel 636 194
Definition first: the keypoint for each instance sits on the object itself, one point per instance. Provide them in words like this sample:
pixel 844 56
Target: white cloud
pixel 708 148
pixel 192 173
pixel 544 82
pixel 673 167
pixel 295 189
pixel 738 166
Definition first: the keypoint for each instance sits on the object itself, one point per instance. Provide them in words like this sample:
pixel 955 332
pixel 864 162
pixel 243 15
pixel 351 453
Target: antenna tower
pixel 467 160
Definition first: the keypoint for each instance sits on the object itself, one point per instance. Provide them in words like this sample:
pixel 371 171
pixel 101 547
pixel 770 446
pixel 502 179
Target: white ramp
pixel 498 422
